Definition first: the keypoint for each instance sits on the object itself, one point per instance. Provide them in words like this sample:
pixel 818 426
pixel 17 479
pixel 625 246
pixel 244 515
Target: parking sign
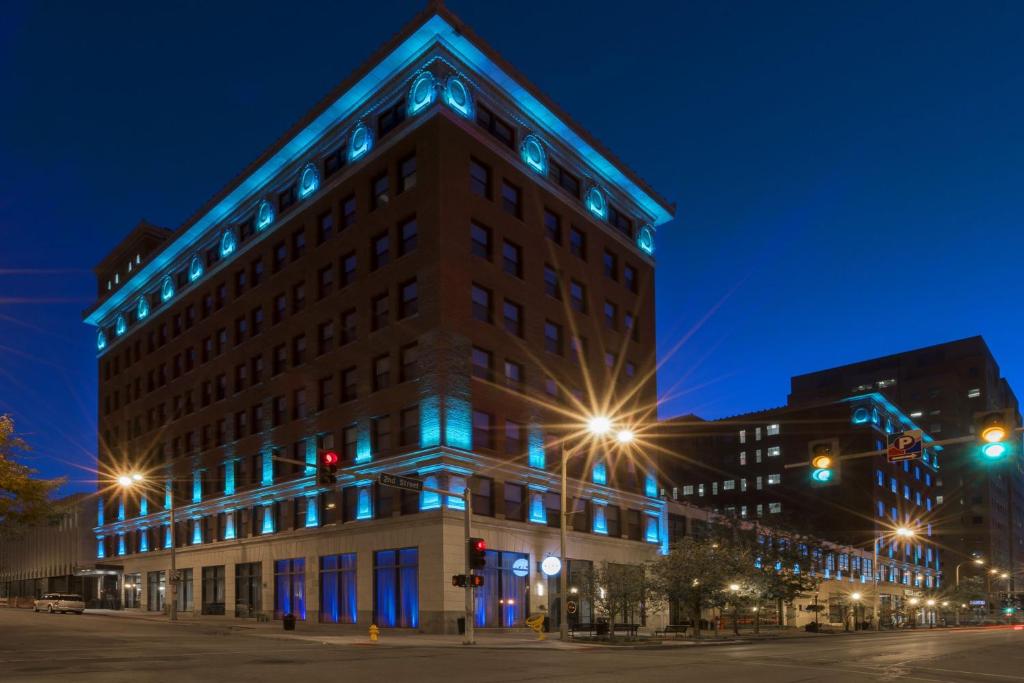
pixel 905 445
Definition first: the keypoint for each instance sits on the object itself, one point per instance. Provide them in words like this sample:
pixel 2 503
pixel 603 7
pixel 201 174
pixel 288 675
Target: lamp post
pixel 126 482
pixel 598 426
pixel 978 561
pixel 855 597
pixel 903 532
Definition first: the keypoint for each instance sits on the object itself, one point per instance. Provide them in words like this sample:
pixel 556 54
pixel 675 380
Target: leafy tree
pixel 618 592
pixel 970 588
pixel 24 501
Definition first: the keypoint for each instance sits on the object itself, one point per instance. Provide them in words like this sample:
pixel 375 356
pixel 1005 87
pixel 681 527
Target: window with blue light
pixel 456 96
pixel 880 476
pixel 309 181
pixel 120 544
pixel 596 202
pixel 290 588
pixel 653 532
pixel 456 484
pixel 101 550
pixel 228 243
pixel 538 513
pixel 531 151
pixel 142 309
pixel 360 143
pixel 396 588
pixel 101 341
pixel 600 473
pixel 600 520
pixel 422 93
pixel 197 531
pixel 364 503
pixel 120 510
pixel 264 215
pixel 144 540
pixel 651 486
pixel 861 415
pixel 645 240
pixel 503 600
pixel 535 447
pixel 120 325
pixel 428 499
pixel 229 525
pixel 338 589
pixel 268 519
pixel 167 289
pixel 195 269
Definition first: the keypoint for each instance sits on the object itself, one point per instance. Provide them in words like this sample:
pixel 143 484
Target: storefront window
pixel 213 590
pixel 396 588
pixel 503 601
pixel 290 588
pixel 185 594
pixel 338 589
pixel 156 585
pixel 248 588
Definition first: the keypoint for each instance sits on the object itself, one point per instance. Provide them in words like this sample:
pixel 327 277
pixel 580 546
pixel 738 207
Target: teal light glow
pixel 428 499
pixel 264 215
pixel 861 416
pixel 430 422
pixel 167 495
pixel 310 457
pixel 100 514
pixel 422 93
pixel 120 510
pixel 364 453
pixel 651 486
pixel 268 519
pixel 142 309
pixel 994 450
pixel 228 243
pixel 874 415
pixel 596 202
pixel 120 325
pixel 535 447
pixel 456 96
pixel 538 514
pixel 456 484
pixel 458 423
pixel 600 475
pixel 364 505
pixel 229 477
pixel 653 533
pixel 600 523
pixel 309 181
pixel 167 289
pixel 821 475
pixel 197 532
pixel 101 552
pixel 533 154
pixel 101 341
pixel 312 511
pixel 360 143
pixel 267 478
pixel 197 486
pixel 167 537
pixel 144 540
pixel 229 526
pixel 195 269
pixel 143 506
pixel 120 544
pixel 645 240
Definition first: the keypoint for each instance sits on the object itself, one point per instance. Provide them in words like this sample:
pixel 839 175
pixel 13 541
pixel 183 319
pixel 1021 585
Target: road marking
pixel 971 673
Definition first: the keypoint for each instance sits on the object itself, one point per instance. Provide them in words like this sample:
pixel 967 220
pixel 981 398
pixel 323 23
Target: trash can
pixel 462 625
pixel 289 622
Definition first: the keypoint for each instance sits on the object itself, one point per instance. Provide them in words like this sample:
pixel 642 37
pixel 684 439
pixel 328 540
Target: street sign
pixel 906 445
pixel 395 481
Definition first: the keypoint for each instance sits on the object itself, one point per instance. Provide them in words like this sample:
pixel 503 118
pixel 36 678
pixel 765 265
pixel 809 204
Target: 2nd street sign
pixel 395 481
pixel 905 445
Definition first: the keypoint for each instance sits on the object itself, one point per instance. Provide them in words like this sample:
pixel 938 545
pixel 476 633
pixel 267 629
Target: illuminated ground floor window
pixel 290 588
pixel 396 598
pixel 338 589
pixel 503 601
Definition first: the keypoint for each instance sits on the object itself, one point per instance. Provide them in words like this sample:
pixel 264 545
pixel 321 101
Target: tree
pixel 970 588
pixel 24 501
pixel 618 592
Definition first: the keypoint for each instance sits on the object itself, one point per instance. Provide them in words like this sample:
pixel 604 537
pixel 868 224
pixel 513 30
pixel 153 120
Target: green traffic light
pixel 994 450
pixel 821 475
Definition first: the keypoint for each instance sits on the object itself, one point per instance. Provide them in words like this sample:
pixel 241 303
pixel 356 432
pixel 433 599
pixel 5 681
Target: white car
pixel 59 602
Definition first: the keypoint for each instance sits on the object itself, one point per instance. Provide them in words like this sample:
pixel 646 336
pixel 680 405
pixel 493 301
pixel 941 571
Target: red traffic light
pixel 479 545
pixel 330 458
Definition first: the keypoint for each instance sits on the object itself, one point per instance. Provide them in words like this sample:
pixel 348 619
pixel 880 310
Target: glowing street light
pixel 855 597
pixel 905 532
pixel 127 481
pixel 599 425
pixel 734 587
pixel 625 436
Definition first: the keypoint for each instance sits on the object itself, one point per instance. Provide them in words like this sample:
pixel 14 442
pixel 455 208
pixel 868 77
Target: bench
pixel 588 628
pixel 675 629
pixel 630 629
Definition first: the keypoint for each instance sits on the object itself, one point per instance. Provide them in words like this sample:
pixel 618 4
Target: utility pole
pixel 563 579
pixel 468 506
pixel 172 577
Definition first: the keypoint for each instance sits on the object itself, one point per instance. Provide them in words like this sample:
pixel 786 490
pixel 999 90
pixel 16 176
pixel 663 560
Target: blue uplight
pixel 309 181
pixel 652 535
pixel 456 96
pixel 456 484
pixel 264 215
pixel 364 452
pixel 195 269
pixel 645 240
pixel 268 519
pixel 428 499
pixel 229 477
pixel 143 506
pixel 364 506
pixel 229 526
pixel 142 309
pixel 228 243
pixel 100 513
pixel 197 487
pixel 197 533
pixel 600 522
pixel 600 473
pixel 268 468
pixel 538 515
pixel 861 416
pixel 120 325
pixel 120 545
pixel 651 486
pixel 535 447
pixel 312 512
pixel 533 154
pixel 120 510
pixel 167 536
pixel 597 203
pixel 422 93
pixel 360 143
pixel 101 341
pixel 144 541
pixel 101 552
pixel 458 423
pixel 430 421
pixel 167 289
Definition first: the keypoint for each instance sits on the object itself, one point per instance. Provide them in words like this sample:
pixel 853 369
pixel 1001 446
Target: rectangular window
pixel 380 434
pixel 552 337
pixel 773 430
pixel 290 588
pixel 381 311
pixel 566 180
pixel 324 227
pixel 512 259
pixel 324 281
pixel 551 285
pixel 479 179
pixel 483 435
pixel 381 372
pixel 514 375
pixel 409 355
pixel 213 590
pixel 630 278
pixel 389 119
pixel 620 221
pixel 409 301
pixel 774 451
pixel 511 199
pixel 480 240
pixel 481 299
pixel 348 327
pixel 577 296
pixel 379 191
pixel 515 507
pixel 396 588
pixel 774 479
pixel 515 437
pixel 348 212
pixel 481 362
pixel 338 589
pixel 611 265
pixel 347 269
pixel 553 226
pixel 512 314
pixel 611 315
pixel 380 251
pixel 578 243
pixel 496 127
pixel 408 236
pixel 349 385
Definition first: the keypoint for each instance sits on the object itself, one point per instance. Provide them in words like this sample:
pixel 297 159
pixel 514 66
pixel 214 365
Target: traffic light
pixel 327 468
pixel 471 581
pixel 477 553
pixel 824 461
pixel 995 432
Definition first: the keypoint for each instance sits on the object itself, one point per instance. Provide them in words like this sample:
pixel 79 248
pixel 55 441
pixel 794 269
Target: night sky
pixel 849 176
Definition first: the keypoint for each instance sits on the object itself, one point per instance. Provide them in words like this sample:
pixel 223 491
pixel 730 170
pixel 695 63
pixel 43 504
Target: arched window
pixel 645 239
pixel 167 289
pixel 142 309
pixel 360 143
pixel 195 269
pixel 533 154
pixel 309 181
pixel 596 202
pixel 228 242
pixel 264 215
pixel 422 93
pixel 120 325
pixel 456 96
pixel 101 341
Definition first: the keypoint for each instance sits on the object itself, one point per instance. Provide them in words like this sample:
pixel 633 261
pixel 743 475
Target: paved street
pixel 42 647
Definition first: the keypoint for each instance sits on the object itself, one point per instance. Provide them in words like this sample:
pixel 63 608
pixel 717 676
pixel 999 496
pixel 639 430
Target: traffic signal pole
pixel 468 507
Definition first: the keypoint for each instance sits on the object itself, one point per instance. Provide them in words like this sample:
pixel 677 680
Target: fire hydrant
pixel 374 633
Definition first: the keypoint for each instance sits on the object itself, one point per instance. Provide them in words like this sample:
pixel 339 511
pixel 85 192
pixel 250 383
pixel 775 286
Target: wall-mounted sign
pixel 521 567
pixel 551 565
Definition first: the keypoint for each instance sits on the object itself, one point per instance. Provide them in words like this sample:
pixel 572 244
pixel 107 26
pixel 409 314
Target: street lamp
pixel 136 479
pixel 597 426
pixel 903 532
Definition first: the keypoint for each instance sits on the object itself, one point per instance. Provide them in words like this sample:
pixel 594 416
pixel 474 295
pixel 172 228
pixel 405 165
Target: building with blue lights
pixel 436 273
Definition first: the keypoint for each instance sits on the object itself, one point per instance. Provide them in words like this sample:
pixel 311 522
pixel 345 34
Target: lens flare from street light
pixel 734 587
pixel 979 561
pixel 599 425
pixel 625 436
pixel 137 477
pixel 855 596
pixel 905 532
pixel 931 603
pixel 124 480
